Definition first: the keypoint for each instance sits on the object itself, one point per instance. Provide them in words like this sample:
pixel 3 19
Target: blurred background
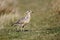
pixel 44 24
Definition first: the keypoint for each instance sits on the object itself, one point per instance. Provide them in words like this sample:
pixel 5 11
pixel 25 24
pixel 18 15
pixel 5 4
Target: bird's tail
pixel 14 24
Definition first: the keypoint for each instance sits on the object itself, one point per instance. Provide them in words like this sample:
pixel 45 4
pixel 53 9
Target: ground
pixel 44 24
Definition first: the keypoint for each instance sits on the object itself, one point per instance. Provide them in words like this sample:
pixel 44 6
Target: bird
pixel 24 20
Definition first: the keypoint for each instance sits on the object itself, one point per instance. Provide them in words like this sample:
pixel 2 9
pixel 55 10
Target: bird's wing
pixel 20 21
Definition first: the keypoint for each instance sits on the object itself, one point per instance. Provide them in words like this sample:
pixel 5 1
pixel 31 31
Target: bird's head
pixel 28 12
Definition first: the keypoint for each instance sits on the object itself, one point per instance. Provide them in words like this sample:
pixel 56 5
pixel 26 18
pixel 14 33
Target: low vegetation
pixel 44 24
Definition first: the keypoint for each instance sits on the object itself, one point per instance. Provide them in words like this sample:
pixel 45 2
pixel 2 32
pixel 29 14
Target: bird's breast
pixel 27 19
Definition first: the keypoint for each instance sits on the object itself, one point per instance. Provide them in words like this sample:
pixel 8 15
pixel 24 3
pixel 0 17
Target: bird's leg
pixel 18 29
pixel 22 28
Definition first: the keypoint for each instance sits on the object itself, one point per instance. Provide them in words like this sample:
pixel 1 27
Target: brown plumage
pixel 25 20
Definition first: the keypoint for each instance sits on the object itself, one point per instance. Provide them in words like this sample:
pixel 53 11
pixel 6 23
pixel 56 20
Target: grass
pixel 44 24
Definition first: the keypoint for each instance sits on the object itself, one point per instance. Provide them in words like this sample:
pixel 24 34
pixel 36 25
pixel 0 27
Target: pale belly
pixel 27 21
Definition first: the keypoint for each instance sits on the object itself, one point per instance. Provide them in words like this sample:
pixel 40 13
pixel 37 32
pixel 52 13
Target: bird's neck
pixel 28 15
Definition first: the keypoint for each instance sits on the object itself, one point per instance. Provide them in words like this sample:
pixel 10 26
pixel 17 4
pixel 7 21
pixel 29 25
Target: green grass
pixel 44 24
